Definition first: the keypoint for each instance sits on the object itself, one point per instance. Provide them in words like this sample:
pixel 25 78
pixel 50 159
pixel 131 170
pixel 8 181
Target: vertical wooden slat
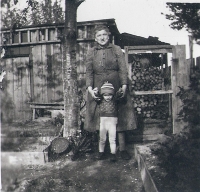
pixel 49 73
pixel 46 34
pixel 31 74
pixel 198 62
pixel 16 84
pixel 28 36
pixel 53 67
pixel 180 78
pixel 44 76
pixel 57 67
pixel 11 38
pixel 8 94
pixel 20 36
pixel 85 32
pixel 191 52
pixel 37 73
pixel 37 35
pixel 25 90
pixel 55 34
pixel 129 66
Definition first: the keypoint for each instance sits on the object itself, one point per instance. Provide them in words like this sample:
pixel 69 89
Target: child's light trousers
pixel 108 125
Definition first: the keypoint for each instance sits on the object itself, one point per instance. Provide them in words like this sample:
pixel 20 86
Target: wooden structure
pixel 179 75
pixel 33 63
pixel 52 106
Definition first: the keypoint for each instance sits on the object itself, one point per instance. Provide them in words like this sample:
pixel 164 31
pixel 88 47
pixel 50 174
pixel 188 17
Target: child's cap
pixel 107 88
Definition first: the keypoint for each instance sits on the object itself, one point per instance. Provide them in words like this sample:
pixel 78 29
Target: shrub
pixel 179 155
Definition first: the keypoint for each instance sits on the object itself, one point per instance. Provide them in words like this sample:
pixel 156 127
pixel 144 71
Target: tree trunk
pixel 69 70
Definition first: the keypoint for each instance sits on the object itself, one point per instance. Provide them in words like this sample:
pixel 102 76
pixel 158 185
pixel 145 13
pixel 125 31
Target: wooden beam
pixel 147 47
pixel 161 50
pixel 155 92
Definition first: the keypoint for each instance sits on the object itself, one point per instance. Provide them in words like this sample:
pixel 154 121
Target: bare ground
pixel 84 174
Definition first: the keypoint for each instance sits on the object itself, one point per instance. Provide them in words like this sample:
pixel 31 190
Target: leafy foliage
pixel 35 13
pixel 179 158
pixel 191 101
pixel 185 15
pixel 179 155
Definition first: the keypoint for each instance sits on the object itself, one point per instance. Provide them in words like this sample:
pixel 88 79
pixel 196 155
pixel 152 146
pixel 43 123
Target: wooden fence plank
pixel 57 66
pixel 7 96
pixel 155 92
pixel 49 72
pixel 37 73
pixel 180 78
pixel 44 73
pixel 16 84
pixel 26 90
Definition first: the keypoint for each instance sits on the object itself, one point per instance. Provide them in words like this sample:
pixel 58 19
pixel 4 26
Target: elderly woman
pixel 105 62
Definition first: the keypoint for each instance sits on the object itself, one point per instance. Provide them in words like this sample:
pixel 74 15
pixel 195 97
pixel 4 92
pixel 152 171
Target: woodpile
pixel 149 79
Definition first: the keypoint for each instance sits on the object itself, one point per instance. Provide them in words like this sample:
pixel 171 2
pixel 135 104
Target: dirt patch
pixel 84 174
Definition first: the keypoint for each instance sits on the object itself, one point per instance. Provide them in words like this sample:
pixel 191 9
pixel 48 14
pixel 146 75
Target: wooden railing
pixel 48 34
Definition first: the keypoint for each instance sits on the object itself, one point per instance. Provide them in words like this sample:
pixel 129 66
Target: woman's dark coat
pixel 107 64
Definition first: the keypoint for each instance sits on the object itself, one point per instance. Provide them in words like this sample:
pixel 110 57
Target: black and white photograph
pixel 100 96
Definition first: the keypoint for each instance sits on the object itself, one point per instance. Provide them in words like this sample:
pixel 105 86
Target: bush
pixel 179 155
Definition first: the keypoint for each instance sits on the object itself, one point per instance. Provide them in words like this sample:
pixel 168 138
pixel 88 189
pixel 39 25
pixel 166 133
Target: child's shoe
pixel 113 158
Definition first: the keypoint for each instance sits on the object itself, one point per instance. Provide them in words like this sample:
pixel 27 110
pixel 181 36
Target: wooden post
pixel 180 78
pixel 191 53
pixel 127 64
pixel 198 62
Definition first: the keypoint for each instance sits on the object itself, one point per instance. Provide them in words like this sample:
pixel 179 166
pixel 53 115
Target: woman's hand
pixel 93 93
pixel 123 89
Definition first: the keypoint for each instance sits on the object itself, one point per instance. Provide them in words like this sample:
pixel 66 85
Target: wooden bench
pixel 51 106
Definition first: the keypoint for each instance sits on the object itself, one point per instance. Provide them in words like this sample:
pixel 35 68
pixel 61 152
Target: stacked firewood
pixel 147 79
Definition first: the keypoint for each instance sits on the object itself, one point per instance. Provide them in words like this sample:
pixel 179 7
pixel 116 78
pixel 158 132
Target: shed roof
pixel 126 39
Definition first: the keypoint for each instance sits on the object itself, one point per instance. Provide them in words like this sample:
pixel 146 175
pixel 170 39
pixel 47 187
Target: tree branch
pixel 78 2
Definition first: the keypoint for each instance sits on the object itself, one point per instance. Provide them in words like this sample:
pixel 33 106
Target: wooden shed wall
pixel 38 76
pixel 46 73
pixel 17 92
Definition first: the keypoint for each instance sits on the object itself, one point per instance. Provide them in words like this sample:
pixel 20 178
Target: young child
pixel 108 121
